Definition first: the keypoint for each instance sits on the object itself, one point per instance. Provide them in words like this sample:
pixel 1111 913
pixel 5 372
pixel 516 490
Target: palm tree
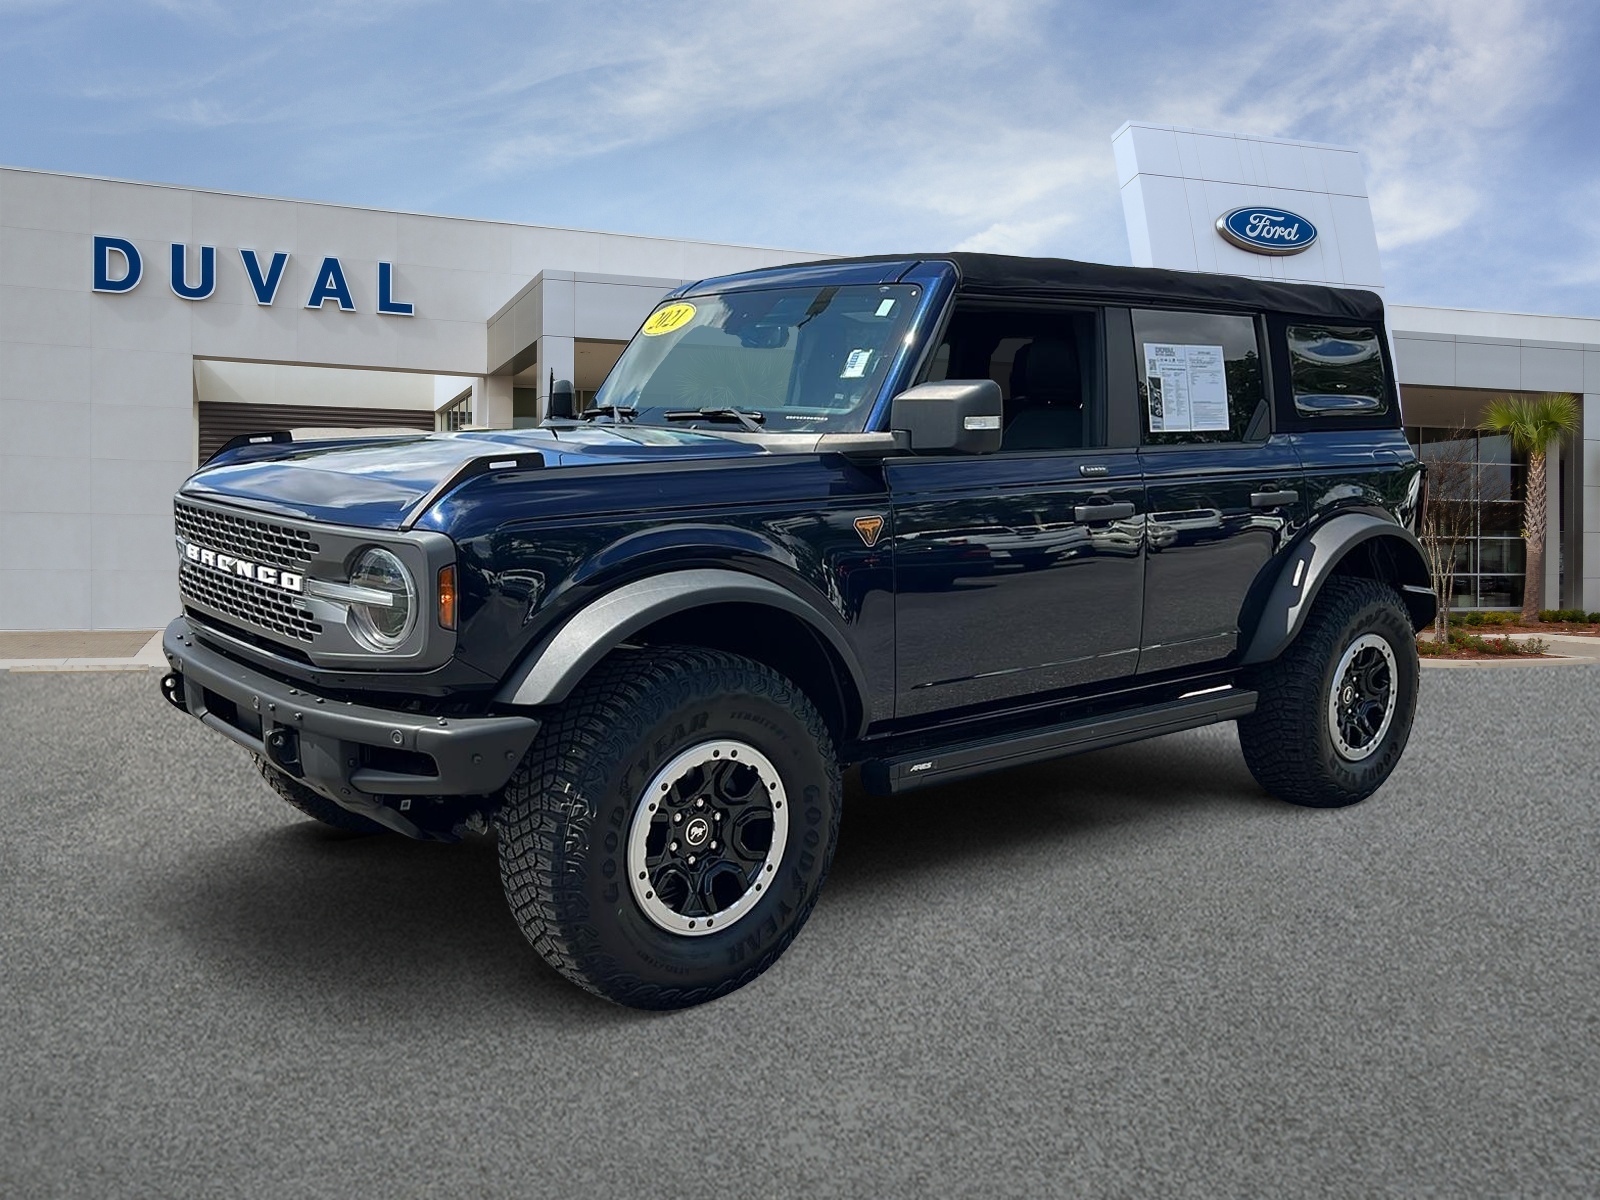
pixel 1532 424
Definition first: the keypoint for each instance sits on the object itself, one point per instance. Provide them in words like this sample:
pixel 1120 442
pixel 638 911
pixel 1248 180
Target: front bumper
pixel 361 758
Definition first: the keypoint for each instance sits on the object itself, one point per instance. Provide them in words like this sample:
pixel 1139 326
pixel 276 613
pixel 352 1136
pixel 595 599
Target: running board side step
pixel 901 773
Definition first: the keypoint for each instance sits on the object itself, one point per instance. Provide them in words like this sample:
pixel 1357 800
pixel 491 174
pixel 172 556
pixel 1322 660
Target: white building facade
pixel 1178 188
pixel 109 390
pixel 252 312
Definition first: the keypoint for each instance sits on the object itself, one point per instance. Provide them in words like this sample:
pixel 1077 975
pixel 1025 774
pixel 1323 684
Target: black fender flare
pixel 556 665
pixel 1311 561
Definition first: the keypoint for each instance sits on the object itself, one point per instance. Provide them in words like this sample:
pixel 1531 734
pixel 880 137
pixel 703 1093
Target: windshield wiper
pixel 617 412
pixel 748 418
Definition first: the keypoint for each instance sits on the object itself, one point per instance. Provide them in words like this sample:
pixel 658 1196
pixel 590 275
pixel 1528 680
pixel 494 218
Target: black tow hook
pixel 283 748
pixel 172 689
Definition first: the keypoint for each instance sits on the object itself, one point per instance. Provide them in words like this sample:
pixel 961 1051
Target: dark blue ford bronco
pixel 927 515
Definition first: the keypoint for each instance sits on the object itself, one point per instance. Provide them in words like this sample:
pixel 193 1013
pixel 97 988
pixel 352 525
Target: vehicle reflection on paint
pixel 1188 526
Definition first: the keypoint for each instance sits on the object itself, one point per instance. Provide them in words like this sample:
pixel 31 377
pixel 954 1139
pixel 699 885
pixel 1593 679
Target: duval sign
pixel 1264 230
pixel 118 267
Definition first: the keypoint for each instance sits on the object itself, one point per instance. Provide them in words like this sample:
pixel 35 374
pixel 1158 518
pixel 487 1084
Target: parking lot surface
pixel 1125 973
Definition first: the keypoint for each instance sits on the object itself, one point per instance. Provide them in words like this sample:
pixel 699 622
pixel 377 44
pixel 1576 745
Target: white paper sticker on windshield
pixel 884 309
pixel 1188 388
pixel 855 364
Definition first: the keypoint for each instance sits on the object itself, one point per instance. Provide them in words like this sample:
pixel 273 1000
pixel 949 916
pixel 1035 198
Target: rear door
pixel 1224 492
pixel 1020 572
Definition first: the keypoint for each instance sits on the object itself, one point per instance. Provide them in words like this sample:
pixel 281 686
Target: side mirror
pixel 561 403
pixel 959 416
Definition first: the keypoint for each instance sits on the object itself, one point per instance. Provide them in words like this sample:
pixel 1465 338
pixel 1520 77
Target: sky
pixel 848 126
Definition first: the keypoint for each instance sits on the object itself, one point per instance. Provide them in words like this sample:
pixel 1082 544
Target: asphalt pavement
pixel 1126 974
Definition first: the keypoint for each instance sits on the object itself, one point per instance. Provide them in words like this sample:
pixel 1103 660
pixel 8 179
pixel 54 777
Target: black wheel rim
pixel 1363 696
pixel 707 837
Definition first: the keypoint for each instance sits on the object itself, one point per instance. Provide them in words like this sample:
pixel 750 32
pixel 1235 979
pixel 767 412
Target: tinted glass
pixel 804 359
pixel 1199 377
pixel 1044 361
pixel 1337 370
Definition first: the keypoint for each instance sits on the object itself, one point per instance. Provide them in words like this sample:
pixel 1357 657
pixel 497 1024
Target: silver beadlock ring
pixel 1363 697
pixel 686 836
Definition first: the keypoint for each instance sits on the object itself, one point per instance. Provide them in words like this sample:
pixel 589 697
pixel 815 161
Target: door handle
pixel 1116 511
pixel 1272 499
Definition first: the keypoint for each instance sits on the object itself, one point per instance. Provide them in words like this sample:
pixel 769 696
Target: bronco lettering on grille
pixel 289 581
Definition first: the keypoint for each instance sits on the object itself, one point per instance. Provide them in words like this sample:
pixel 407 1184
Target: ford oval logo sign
pixel 1267 230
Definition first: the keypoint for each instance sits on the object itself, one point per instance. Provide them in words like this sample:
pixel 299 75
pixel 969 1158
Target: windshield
pixel 798 360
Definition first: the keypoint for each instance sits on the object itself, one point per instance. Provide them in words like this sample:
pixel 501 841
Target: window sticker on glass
pixel 665 320
pixel 855 364
pixel 1188 390
pixel 884 309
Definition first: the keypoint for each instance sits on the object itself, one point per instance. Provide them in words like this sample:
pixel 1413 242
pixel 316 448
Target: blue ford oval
pixel 1267 230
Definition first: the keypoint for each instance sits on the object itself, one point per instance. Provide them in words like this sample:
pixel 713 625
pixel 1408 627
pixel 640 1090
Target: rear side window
pixel 1200 377
pixel 1336 370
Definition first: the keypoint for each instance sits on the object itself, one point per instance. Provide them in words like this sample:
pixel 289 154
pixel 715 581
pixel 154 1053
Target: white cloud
pixel 1426 89
pixel 843 124
pixel 961 119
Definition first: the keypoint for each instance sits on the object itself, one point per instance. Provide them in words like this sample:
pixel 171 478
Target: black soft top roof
pixel 1008 275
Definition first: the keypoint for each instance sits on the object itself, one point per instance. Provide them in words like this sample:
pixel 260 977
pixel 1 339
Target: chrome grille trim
pixel 251 538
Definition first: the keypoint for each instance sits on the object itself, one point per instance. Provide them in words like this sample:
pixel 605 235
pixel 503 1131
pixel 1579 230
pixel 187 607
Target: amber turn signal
pixel 447 596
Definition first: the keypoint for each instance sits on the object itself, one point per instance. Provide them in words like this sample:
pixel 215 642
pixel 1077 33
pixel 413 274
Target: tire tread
pixel 1274 738
pixel 545 821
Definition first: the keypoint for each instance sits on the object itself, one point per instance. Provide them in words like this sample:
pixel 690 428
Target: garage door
pixel 220 422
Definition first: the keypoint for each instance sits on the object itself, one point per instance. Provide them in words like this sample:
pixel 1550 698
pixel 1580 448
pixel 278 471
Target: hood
pixel 380 483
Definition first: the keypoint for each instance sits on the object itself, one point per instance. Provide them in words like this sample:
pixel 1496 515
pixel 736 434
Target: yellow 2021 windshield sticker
pixel 665 320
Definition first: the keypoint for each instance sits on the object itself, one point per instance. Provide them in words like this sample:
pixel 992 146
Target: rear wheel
pixel 1335 709
pixel 309 804
pixel 667 834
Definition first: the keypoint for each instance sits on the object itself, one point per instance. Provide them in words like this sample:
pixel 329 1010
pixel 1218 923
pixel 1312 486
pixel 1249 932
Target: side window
pixel 1046 361
pixel 1200 377
pixel 1336 370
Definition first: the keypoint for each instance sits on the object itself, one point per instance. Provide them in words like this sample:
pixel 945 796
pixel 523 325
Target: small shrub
pixel 1565 614
pixel 1594 618
pixel 1476 643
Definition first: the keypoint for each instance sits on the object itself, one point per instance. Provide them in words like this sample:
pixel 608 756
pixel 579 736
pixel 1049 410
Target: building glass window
pixel 1490 563
pixel 457 414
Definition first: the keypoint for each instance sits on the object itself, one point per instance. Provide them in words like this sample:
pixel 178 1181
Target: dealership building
pixel 142 325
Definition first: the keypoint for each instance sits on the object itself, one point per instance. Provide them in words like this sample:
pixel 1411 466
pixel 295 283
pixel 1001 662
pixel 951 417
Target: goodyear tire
pixel 306 802
pixel 1335 709
pixel 667 834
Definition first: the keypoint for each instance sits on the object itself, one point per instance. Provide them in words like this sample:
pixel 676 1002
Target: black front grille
pixel 250 538
pixel 246 600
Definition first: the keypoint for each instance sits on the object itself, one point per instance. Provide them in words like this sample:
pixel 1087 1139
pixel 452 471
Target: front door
pixel 1014 575
pixel 1020 572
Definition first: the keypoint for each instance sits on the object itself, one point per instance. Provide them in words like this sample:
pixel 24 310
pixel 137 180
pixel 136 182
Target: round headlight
pixel 378 626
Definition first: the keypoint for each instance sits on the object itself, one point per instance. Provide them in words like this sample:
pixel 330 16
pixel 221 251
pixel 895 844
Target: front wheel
pixel 667 833
pixel 1335 710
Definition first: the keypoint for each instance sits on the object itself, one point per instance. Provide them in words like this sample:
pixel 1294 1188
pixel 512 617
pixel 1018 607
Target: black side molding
pixel 902 773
